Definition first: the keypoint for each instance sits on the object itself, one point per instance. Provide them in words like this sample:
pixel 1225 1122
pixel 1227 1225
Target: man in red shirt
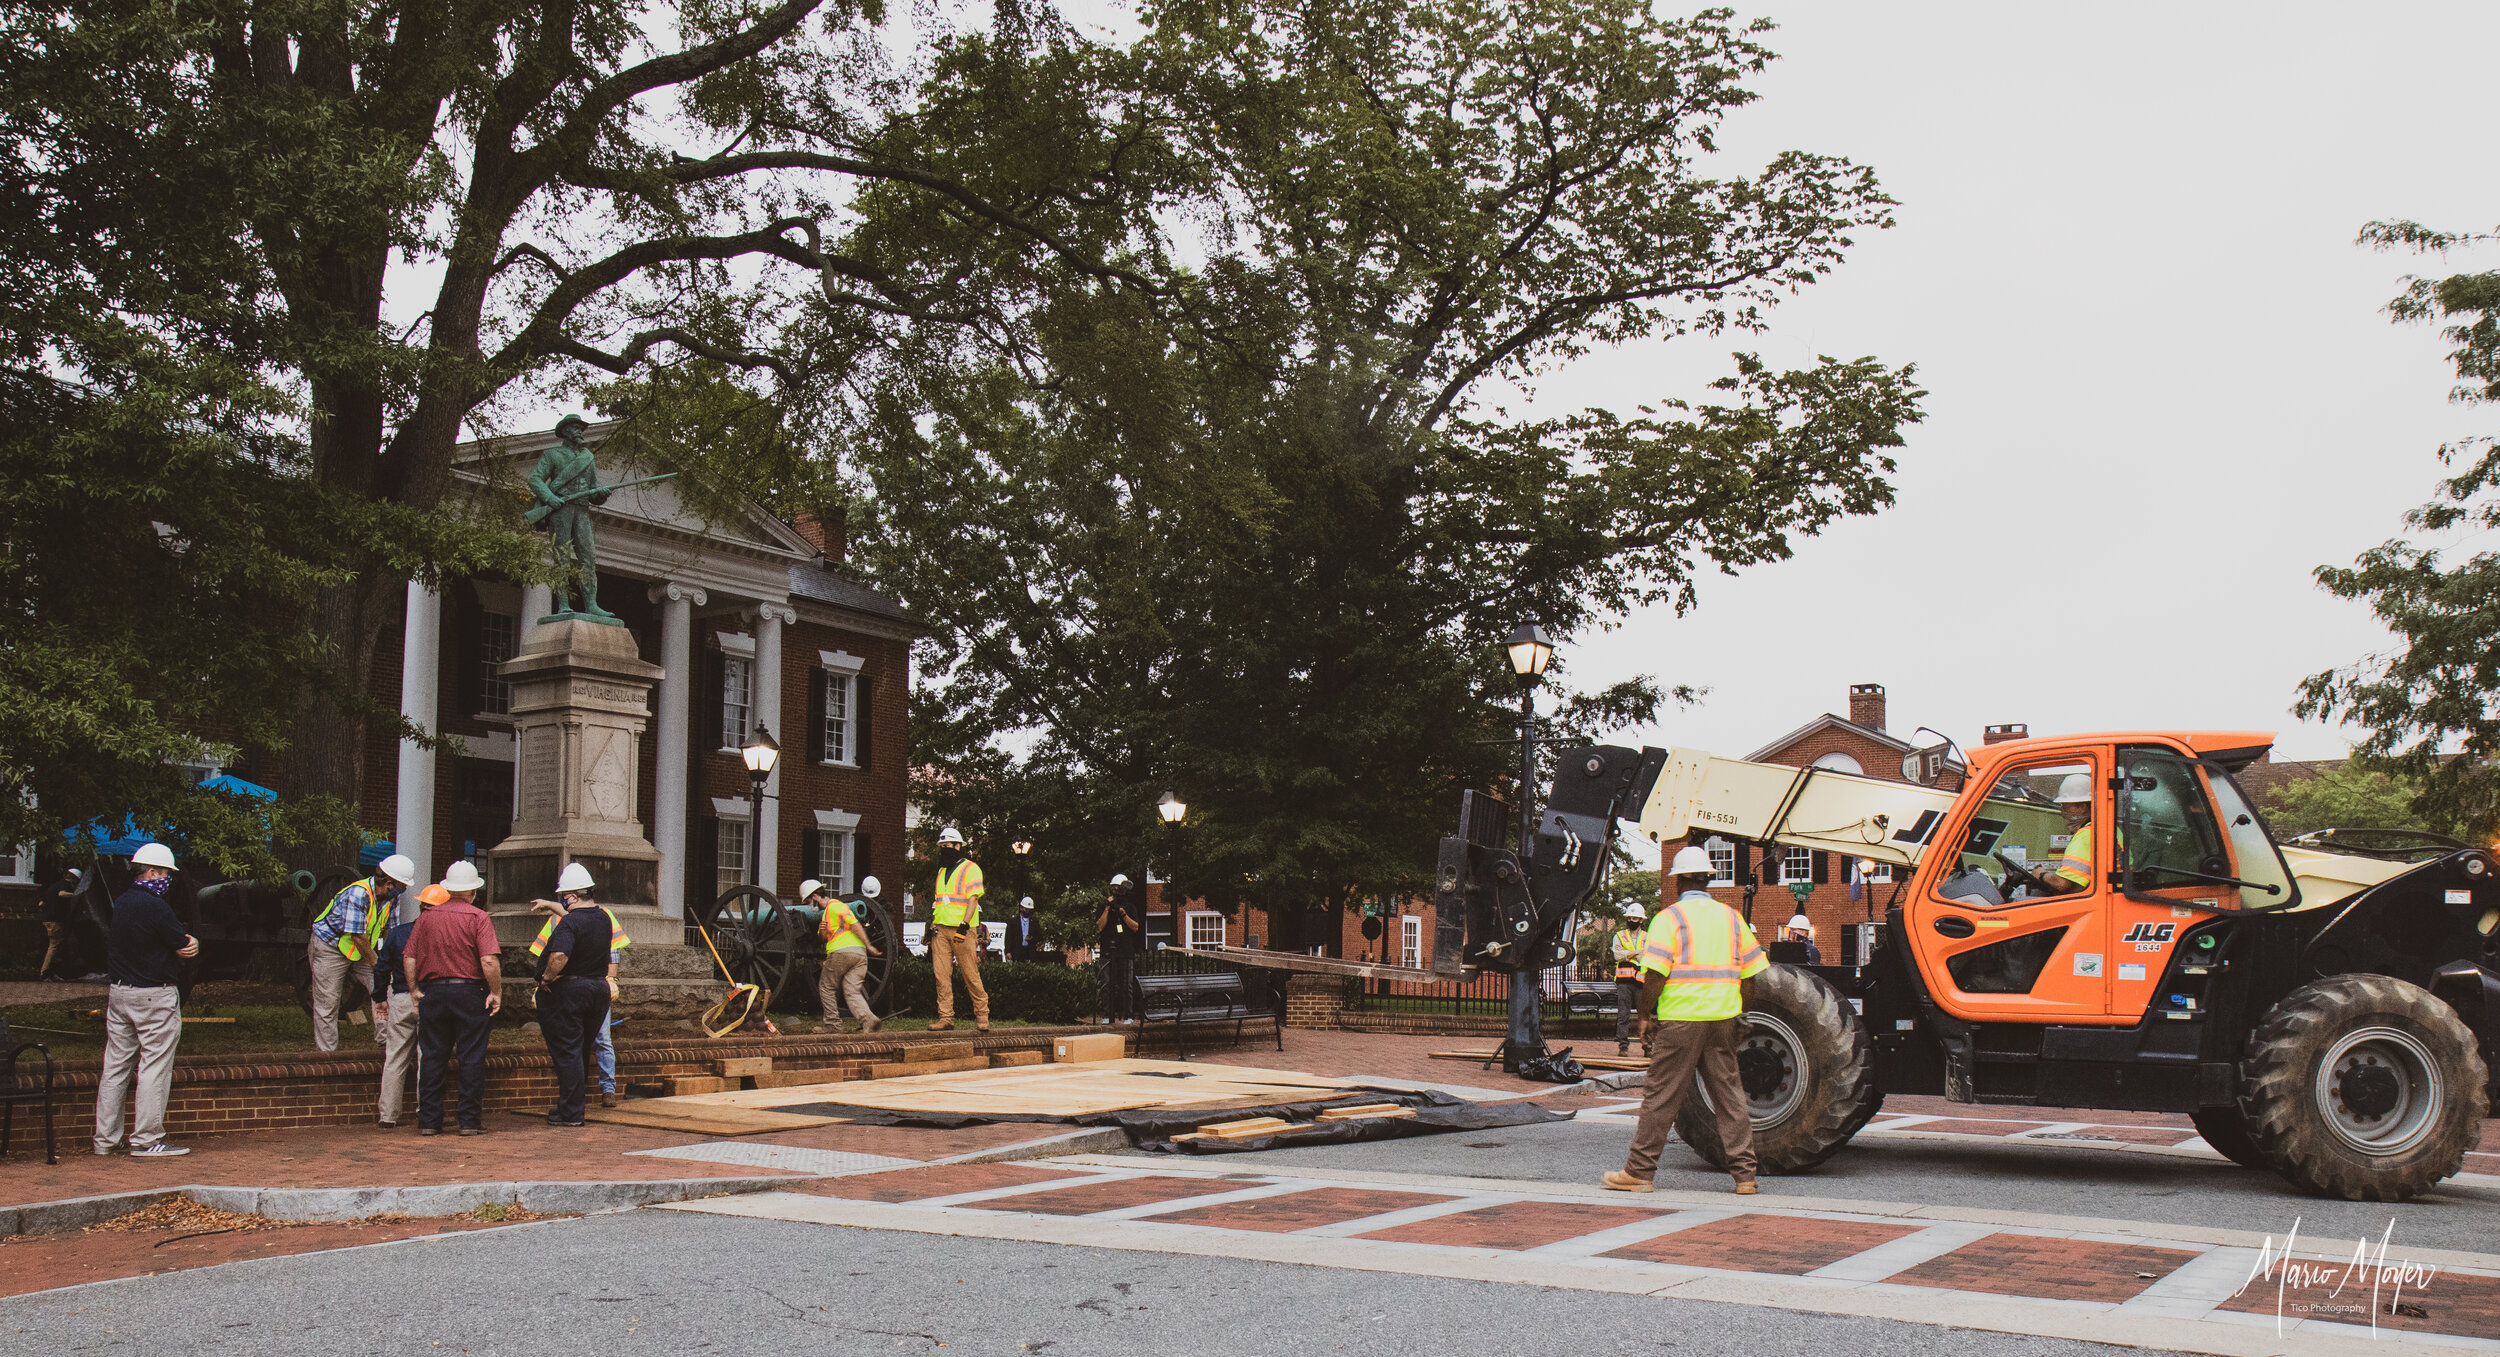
pixel 455 969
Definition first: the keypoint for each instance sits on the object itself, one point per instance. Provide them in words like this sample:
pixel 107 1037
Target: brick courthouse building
pixel 751 621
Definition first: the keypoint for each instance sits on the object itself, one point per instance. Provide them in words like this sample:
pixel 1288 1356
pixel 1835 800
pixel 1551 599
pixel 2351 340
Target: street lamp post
pixel 1530 649
pixel 761 752
pixel 1172 808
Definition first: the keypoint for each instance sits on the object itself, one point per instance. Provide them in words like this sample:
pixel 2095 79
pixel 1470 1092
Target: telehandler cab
pixel 2095 921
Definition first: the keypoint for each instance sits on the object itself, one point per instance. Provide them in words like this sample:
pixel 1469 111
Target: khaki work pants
pixel 844 979
pixel 330 971
pixel 947 948
pixel 1677 1052
pixel 141 1029
pixel 399 1053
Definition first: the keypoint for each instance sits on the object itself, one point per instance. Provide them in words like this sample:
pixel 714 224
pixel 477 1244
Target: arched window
pixel 1839 763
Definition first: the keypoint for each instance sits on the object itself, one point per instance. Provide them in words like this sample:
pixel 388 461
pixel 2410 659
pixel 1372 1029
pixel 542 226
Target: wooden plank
pixel 938 1050
pixel 1367 1114
pixel 911 1068
pixel 740 1066
pixel 1007 1060
pixel 1217 1128
pixel 1262 1132
pixel 780 1079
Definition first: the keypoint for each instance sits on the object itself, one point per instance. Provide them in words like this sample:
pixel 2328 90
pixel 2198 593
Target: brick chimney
pixel 2014 730
pixel 826 534
pixel 1866 705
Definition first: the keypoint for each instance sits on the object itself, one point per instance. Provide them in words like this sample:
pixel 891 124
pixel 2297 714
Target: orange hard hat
pixel 434 895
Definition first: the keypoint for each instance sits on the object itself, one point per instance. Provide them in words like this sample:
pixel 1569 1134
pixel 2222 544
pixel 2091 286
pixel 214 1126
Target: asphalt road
pixel 1998 1176
pixel 680 1283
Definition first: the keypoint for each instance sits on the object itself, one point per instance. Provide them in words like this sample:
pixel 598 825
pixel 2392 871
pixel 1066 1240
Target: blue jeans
pixel 607 1055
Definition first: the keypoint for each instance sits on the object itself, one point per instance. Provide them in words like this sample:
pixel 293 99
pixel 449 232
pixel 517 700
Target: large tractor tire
pixel 1809 1071
pixel 2363 1087
pixel 2226 1130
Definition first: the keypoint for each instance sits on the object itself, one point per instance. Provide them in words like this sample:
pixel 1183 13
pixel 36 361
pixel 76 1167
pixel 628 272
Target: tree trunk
pixel 326 757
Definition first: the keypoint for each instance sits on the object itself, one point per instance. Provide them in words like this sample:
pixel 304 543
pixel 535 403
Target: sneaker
pixel 870 1025
pixel 429 1130
pixel 551 1121
pixel 387 1125
pixel 480 1130
pixel 107 1151
pixel 161 1150
pixel 1621 1181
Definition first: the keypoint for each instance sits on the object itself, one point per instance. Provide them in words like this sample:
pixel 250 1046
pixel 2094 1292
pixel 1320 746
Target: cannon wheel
pixel 755 936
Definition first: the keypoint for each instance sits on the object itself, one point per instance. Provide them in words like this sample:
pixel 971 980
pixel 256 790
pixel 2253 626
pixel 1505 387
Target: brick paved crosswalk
pixel 2166 1286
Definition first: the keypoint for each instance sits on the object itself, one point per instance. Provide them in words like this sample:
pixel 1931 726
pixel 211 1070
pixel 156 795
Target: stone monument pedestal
pixel 580 702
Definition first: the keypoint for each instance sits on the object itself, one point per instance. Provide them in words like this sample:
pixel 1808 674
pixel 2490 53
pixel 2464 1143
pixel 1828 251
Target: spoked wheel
pixel 757 938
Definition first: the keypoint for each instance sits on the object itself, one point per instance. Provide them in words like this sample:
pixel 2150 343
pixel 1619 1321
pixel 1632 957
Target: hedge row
pixel 1026 990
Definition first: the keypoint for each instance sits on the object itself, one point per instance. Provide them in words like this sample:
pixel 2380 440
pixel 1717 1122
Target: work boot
pixel 1621 1181
pixel 943 1025
pixel 1745 1187
pixel 1623 1048
pixel 608 1099
pixel 980 1027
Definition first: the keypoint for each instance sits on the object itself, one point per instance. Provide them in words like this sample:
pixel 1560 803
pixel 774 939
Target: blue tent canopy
pixel 124 841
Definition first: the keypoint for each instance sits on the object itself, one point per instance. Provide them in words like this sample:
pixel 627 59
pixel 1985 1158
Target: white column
pixel 420 670
pixel 769 619
pixel 671 703
pixel 537 600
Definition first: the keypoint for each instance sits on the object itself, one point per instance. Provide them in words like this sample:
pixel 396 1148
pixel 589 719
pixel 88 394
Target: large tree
pixel 386 215
pixel 1253 530
pixel 2438 693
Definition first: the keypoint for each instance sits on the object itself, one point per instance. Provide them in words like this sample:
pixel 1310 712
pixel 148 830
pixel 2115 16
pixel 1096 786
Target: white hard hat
pixel 1634 911
pixel 1692 861
pixel 462 876
pixel 1800 921
pixel 2076 787
pixel 1025 903
pixel 153 855
pixel 869 886
pixel 576 877
pixel 809 887
pixel 398 868
pixel 1119 878
pixel 950 834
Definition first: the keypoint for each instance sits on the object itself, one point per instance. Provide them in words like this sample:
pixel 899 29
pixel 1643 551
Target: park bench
pixel 1187 1001
pixel 1597 996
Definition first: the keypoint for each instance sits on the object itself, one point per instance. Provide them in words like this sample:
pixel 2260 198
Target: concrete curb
pixel 354 1203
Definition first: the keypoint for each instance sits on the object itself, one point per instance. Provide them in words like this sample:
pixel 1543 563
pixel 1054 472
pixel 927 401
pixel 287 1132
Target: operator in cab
pixel 2074 870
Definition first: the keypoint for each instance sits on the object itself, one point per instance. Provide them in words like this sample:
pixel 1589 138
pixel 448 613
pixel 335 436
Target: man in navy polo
pixel 573 1004
pixel 143 1008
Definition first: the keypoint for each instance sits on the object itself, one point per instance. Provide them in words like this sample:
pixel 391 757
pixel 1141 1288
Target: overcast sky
pixel 2164 388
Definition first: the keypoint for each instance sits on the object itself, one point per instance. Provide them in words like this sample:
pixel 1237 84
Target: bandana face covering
pixel 157 885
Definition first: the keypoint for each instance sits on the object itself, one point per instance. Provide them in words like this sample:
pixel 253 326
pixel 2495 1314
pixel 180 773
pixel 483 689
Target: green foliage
pixel 2434 697
pixel 1027 990
pixel 1624 888
pixel 1250 527
pixel 2348 795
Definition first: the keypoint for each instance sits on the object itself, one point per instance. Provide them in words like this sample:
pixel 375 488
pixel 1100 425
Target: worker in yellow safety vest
pixel 1625 946
pixel 847 949
pixel 345 936
pixel 1693 965
pixel 2074 870
pixel 955 932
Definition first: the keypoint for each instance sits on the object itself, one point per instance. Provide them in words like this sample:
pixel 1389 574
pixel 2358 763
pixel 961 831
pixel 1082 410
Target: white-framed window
pixel 497 633
pixel 1411 942
pixel 833 859
pixel 1875 873
pixel 1797 864
pixel 841 703
pixel 1206 928
pixel 729 854
pixel 737 699
pixel 1722 861
pixel 17 865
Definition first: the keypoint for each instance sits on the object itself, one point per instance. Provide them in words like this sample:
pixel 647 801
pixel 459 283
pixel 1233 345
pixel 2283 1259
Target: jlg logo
pixel 2151 937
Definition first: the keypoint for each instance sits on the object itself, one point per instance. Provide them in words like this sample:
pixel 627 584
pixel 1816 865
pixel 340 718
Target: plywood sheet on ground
pixel 694 1118
pixel 1070 1090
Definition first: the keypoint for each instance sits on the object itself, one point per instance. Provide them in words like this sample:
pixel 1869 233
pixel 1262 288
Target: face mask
pixel 157 885
pixel 949 856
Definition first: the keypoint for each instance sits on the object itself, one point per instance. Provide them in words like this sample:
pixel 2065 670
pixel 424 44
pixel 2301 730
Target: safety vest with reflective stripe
pixel 617 941
pixel 1628 943
pixel 958 895
pixel 841 928
pixel 2076 866
pixel 367 939
pixel 1703 949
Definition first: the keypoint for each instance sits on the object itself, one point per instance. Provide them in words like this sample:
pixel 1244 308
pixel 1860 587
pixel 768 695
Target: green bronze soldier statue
pixel 562 489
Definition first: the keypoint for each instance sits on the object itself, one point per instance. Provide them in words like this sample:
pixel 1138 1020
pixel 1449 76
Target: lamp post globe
pixel 1021 847
pixel 1530 649
pixel 1171 808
